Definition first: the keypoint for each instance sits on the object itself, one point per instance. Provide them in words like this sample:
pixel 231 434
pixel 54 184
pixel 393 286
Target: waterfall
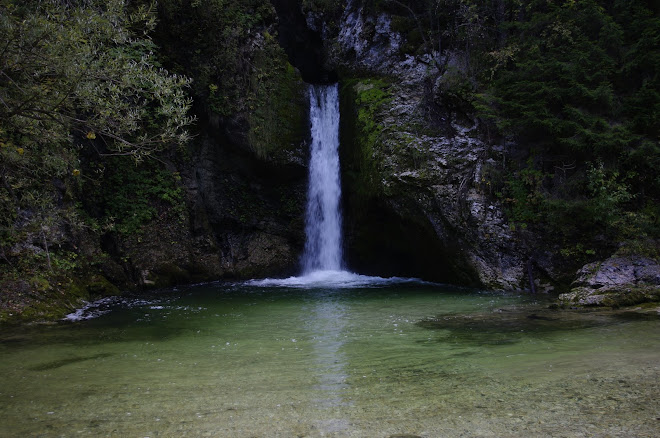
pixel 322 260
pixel 323 247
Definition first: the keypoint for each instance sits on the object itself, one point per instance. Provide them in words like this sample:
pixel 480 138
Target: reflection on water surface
pixel 275 361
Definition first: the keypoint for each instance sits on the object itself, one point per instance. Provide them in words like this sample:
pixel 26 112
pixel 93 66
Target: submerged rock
pixel 512 324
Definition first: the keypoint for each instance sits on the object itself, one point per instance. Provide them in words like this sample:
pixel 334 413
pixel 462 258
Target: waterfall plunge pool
pixel 384 359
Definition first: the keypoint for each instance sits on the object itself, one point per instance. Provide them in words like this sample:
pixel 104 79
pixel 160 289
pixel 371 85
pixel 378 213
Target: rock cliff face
pixel 417 199
pixel 245 179
pixel 252 208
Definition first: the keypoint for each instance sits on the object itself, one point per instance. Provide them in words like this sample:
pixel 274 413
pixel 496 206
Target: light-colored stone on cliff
pixel 368 38
pixel 619 271
pixel 437 164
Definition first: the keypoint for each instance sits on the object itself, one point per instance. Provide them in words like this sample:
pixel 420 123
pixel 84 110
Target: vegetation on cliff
pixel 578 86
pixel 81 92
pixel 94 139
pixel 97 165
pixel 573 91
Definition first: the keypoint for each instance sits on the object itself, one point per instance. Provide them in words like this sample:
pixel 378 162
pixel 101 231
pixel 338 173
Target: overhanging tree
pixel 76 78
pixel 87 69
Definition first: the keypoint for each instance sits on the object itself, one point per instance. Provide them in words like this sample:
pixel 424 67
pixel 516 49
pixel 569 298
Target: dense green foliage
pixel 577 85
pixel 87 71
pixel 574 85
pixel 81 90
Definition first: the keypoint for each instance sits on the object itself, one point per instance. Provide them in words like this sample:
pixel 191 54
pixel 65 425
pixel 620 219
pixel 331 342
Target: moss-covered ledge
pixel 51 298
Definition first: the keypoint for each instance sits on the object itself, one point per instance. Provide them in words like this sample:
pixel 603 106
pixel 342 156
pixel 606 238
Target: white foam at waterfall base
pixel 331 279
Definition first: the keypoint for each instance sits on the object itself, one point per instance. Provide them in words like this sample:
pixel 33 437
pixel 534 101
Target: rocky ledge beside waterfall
pixel 419 158
pixel 421 161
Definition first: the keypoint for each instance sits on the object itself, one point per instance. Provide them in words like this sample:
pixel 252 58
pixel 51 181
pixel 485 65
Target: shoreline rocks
pixel 615 282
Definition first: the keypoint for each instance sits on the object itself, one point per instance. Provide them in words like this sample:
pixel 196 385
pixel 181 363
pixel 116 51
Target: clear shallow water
pixel 249 360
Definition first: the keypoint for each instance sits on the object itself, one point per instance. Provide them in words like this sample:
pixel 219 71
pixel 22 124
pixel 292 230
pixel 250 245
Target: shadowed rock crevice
pixel 382 242
pixel 303 46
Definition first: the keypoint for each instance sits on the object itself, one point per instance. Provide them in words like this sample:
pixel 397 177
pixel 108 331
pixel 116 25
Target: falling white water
pixel 322 260
pixel 323 248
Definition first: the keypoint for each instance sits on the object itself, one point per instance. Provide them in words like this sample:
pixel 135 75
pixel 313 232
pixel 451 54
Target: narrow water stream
pixel 237 360
pixel 323 221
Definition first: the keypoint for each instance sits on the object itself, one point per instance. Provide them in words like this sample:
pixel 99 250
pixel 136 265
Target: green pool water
pixel 406 359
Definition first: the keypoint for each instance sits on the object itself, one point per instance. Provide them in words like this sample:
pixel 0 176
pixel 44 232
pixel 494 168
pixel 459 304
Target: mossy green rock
pixel 277 108
pixel 99 286
pixel 415 189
